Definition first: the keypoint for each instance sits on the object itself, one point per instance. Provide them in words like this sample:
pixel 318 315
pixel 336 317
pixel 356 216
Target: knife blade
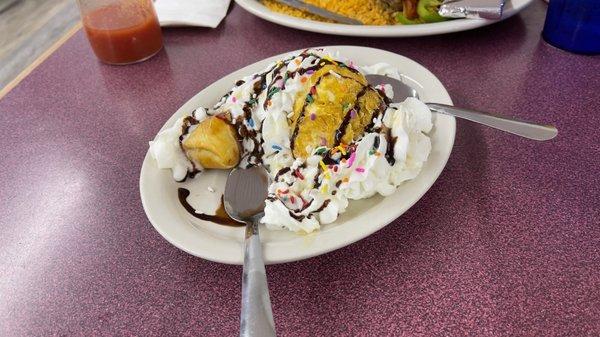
pixel 303 6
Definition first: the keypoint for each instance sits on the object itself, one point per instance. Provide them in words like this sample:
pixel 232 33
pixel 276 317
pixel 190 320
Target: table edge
pixel 40 59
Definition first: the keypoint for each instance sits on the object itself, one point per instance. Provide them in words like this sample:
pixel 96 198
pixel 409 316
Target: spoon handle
pixel 517 127
pixel 257 316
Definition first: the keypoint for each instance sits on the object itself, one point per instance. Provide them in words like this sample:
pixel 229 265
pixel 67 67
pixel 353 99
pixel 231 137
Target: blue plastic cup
pixel 573 25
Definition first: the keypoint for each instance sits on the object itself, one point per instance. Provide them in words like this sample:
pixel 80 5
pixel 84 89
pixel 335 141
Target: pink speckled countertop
pixel 506 243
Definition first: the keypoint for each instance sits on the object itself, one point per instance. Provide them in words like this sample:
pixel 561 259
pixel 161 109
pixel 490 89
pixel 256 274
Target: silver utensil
pixel 244 201
pixel 470 9
pixel 303 6
pixel 517 127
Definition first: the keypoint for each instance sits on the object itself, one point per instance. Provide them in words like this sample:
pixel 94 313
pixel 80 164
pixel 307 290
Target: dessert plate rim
pixel 224 244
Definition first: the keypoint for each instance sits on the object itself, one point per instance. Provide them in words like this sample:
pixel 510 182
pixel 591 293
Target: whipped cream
pixel 166 147
pixel 306 193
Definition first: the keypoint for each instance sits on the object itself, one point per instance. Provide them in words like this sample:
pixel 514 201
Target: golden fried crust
pixel 213 144
pixel 320 114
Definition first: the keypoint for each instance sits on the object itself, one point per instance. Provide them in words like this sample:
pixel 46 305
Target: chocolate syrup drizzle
pixel 300 118
pixel 247 129
pixel 282 172
pixel 220 216
pixel 188 122
pixel 341 131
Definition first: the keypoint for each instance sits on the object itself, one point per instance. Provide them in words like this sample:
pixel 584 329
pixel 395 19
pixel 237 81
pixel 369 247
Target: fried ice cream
pixel 212 144
pixel 335 107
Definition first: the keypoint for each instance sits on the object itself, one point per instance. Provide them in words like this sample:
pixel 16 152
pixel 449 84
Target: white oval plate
pixel 511 8
pixel 363 217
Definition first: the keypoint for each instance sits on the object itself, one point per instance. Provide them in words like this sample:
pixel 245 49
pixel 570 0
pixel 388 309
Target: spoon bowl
pixel 245 193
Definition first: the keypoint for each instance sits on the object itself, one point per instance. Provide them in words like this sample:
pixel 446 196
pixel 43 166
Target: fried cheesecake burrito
pixel 324 134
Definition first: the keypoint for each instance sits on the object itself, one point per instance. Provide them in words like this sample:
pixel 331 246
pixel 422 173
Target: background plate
pixel 511 8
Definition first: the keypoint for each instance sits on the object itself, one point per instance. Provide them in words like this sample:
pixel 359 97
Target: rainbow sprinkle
pixel 313 116
pixel 304 202
pixel 360 169
pixel 351 159
pixel 276 147
pixel 323 166
pixel 272 92
pixel 233 99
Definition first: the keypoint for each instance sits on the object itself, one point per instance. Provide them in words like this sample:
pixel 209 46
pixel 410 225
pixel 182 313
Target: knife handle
pixel 517 127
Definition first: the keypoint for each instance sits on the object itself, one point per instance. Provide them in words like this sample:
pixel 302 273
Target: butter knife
pixel 303 6
pixel 472 9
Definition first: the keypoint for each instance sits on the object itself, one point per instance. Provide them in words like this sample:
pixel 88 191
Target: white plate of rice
pixel 257 8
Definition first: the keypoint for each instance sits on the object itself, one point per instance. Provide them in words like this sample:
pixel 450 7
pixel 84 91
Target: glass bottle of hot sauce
pixel 121 31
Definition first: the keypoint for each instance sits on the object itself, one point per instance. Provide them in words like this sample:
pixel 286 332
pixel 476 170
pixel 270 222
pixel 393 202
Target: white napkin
pixel 205 13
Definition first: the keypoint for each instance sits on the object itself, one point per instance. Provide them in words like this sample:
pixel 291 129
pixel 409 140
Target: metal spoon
pixel 517 127
pixel 244 201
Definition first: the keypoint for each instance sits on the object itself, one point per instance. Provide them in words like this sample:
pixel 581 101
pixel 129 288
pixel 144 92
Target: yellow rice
pixel 370 12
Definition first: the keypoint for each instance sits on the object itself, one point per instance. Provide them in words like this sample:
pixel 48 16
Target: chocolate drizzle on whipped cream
pixel 188 122
pixel 313 186
pixel 251 133
pixel 282 172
